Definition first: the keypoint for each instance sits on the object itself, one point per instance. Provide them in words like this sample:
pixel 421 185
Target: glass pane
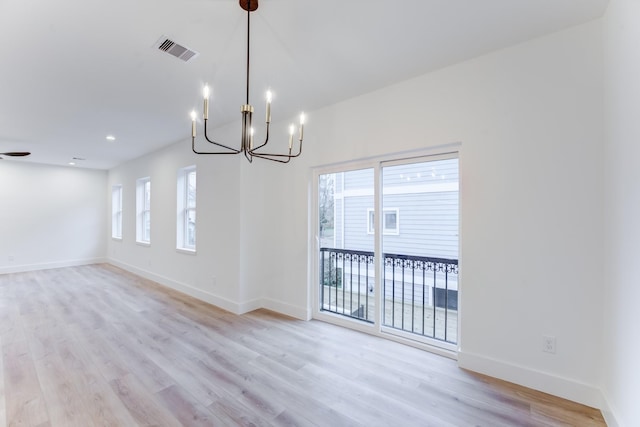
pixel 421 255
pixel 347 270
pixel 146 226
pixel 390 221
pixel 190 231
pixel 191 189
pixel 147 195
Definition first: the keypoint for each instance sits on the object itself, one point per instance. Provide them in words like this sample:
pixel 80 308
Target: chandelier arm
pixel 248 156
pixel 193 148
pixel 257 154
pixel 231 150
pixel 266 139
pixel 261 156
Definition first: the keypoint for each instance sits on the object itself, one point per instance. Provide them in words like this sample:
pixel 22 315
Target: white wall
pixel 529 123
pixel 622 213
pixel 529 120
pixel 50 216
pixel 212 274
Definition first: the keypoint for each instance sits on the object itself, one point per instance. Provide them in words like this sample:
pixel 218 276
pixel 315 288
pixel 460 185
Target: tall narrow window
pixel 116 211
pixel 186 209
pixel 143 209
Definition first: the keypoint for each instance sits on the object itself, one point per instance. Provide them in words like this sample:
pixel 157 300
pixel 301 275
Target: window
pixel 186 214
pixel 390 223
pixel 143 209
pixel 116 211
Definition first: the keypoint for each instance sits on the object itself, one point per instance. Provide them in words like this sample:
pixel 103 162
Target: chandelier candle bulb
pixel 291 130
pixel 205 93
pixel 268 106
pixel 193 124
pixel 251 139
pixel 301 125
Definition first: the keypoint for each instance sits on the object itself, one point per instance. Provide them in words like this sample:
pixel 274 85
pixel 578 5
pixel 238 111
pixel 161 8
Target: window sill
pixel 147 244
pixel 117 239
pixel 186 251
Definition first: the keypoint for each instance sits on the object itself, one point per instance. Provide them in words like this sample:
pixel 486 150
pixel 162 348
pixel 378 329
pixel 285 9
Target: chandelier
pixel 247 146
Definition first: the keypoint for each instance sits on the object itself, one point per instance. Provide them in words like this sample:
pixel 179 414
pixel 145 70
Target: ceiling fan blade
pixel 16 153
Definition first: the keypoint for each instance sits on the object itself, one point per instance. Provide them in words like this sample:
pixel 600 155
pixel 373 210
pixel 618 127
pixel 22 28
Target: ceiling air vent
pixel 165 44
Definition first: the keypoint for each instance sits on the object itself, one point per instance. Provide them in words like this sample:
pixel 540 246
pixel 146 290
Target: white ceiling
pixel 74 71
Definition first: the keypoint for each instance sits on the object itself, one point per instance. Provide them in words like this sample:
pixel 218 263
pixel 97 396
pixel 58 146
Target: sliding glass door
pixel 420 247
pixel 388 246
pixel 347 269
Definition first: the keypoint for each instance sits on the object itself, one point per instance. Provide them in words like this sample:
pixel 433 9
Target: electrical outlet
pixel 549 344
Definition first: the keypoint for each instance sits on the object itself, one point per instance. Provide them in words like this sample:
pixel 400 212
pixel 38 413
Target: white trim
pixel 116 211
pixel 234 307
pixel 140 209
pixel 297 312
pixel 538 380
pixel 385 231
pixel 186 251
pixel 49 265
pixel 608 413
pixel 221 302
pixel 445 346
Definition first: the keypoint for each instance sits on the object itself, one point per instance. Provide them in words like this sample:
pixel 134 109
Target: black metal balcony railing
pixel 419 295
pixel 347 282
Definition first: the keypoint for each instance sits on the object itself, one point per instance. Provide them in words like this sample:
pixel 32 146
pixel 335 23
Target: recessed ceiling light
pixel 72 163
pixel 111 138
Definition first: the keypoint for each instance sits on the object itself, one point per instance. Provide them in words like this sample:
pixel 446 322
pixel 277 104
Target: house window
pixel 186 209
pixel 116 212
pixel 143 209
pixel 390 223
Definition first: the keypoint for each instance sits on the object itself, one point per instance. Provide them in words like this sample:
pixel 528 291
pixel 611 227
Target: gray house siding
pixel 427 224
pixel 425 197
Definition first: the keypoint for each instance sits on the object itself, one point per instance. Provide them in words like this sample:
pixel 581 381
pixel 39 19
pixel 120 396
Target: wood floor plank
pixel 100 403
pixel 24 399
pixel 64 397
pixel 186 409
pixel 96 345
pixel 143 405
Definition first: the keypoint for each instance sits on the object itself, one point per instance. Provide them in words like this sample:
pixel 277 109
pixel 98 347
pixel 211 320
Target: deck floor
pixel 407 316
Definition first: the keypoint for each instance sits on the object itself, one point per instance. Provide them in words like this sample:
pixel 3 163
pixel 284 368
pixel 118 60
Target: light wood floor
pixel 95 345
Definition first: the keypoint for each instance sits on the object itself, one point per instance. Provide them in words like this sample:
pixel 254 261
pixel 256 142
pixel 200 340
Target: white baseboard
pixel 286 309
pixel 49 265
pixel 608 414
pixel 218 301
pixel 224 303
pixel 537 380
pixel 247 306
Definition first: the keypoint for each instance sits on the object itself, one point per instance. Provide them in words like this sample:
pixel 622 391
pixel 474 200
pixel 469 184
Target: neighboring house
pixel 420 208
